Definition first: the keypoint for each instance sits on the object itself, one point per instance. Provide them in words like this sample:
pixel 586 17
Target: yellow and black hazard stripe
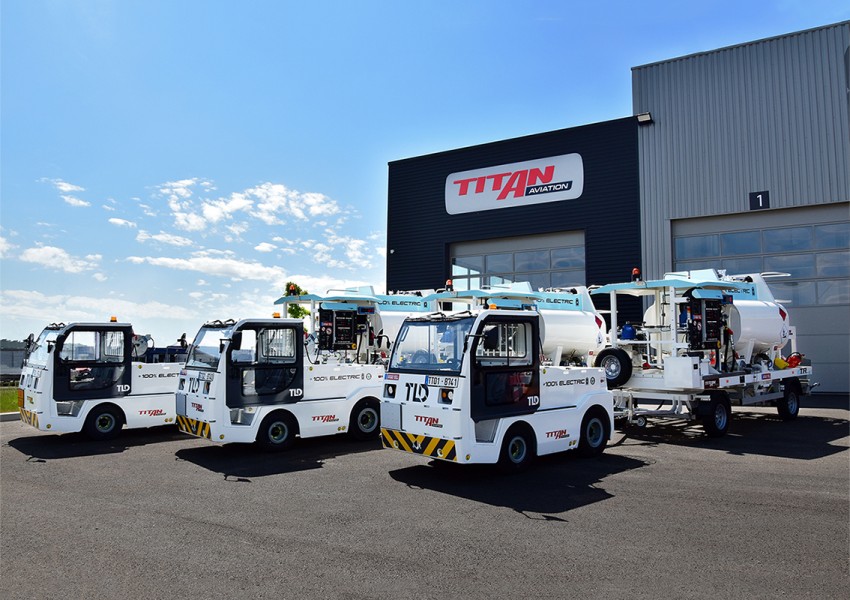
pixel 419 444
pixel 29 417
pixel 193 427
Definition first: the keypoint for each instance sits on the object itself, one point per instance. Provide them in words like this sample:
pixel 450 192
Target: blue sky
pixel 171 162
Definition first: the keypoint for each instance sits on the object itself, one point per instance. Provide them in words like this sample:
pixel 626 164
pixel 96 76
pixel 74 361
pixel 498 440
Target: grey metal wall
pixel 767 115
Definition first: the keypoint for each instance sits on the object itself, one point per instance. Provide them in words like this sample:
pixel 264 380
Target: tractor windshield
pixel 431 345
pixel 206 349
pixel 38 350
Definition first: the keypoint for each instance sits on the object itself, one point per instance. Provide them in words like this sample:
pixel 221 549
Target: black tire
pixel 595 431
pixel 518 450
pixel 717 418
pixel 104 422
pixel 277 432
pixel 788 406
pixel 365 421
pixel 617 365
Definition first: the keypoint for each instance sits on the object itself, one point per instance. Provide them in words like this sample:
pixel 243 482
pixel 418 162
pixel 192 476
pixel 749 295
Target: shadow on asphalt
pixel 47 446
pixel 553 485
pixel 241 462
pixel 759 433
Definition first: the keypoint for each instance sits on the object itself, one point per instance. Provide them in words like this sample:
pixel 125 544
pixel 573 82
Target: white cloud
pixel 5 247
pixel 276 200
pixel 203 262
pixel 122 223
pixel 271 203
pixel 57 258
pixel 100 277
pixel 165 238
pixel 265 247
pixel 65 187
pixel 65 308
pixel 216 210
pixel 74 201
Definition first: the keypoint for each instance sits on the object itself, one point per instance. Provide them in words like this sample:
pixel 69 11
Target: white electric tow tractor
pixel 470 386
pixel 271 380
pixel 96 378
pixel 707 340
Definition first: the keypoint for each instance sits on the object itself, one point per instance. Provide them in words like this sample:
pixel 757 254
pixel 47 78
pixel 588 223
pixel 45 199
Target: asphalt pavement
pixel 665 512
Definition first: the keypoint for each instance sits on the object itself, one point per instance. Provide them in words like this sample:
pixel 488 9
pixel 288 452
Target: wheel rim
pixel 278 432
pixel 105 423
pixel 594 433
pixel 720 417
pixel 517 449
pixel 793 403
pixel 368 420
pixel 611 366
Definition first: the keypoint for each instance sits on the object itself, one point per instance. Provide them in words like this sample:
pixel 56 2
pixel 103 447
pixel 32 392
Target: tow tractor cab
pixel 96 378
pixel 707 339
pixel 572 330
pixel 270 380
pixel 470 387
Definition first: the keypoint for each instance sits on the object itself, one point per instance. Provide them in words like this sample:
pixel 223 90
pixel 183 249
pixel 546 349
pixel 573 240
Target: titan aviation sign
pixel 517 184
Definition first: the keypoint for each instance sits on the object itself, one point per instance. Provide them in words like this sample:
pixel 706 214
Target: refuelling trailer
pixel 707 341
pixel 97 378
pixel 471 386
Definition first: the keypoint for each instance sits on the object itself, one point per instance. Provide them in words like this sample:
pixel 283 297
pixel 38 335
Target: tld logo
pixel 534 400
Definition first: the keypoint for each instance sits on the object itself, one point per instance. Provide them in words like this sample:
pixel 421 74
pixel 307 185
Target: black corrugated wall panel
pixel 420 231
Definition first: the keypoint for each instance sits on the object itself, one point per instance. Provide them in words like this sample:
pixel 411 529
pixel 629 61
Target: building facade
pixel 737 159
pixel 746 167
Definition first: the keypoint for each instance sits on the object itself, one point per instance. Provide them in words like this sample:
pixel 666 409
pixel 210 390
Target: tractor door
pixel 505 368
pixel 92 363
pixel 264 365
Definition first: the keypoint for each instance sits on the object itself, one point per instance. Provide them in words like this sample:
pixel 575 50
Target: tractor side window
pixel 94 359
pixel 505 344
pixel 277 346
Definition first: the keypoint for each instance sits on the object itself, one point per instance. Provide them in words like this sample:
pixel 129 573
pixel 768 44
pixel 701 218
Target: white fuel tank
pixel 764 324
pixel 577 332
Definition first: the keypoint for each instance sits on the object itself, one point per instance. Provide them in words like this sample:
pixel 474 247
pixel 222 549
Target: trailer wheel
pixel 104 422
pixel 617 365
pixel 717 417
pixel 594 433
pixel 277 431
pixel 788 406
pixel 517 450
pixel 365 420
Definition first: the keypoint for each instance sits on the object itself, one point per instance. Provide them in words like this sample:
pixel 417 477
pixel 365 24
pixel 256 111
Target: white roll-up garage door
pixel 812 244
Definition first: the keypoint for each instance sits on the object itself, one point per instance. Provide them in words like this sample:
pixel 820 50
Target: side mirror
pixel 470 336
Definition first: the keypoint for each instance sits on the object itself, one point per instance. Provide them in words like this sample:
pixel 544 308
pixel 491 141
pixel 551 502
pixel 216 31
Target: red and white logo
pixel 518 184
